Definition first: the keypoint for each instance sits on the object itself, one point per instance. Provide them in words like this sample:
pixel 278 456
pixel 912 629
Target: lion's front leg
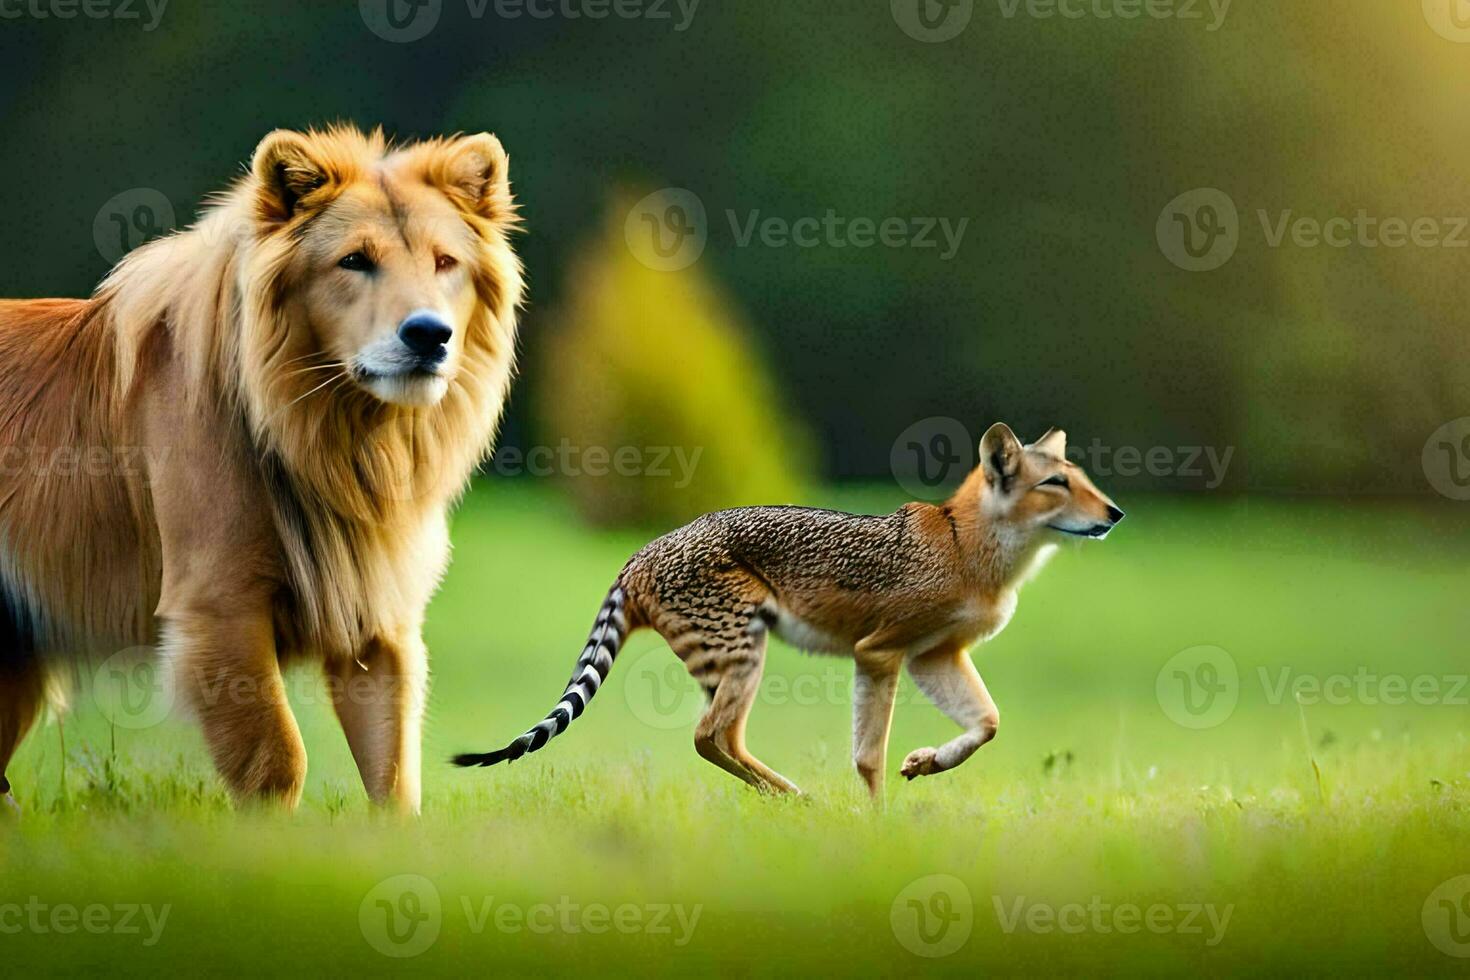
pixel 226 670
pixel 380 699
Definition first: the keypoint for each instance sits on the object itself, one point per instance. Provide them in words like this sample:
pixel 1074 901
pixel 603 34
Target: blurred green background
pixel 1125 259
pixel 1059 141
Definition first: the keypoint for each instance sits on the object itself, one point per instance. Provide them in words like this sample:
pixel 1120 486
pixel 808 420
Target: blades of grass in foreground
pixel 1311 755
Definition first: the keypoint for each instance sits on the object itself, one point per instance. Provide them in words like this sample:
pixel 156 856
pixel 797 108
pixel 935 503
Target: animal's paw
pixel 919 762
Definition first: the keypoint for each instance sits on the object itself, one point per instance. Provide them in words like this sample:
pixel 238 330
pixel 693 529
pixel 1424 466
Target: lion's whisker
pixel 335 378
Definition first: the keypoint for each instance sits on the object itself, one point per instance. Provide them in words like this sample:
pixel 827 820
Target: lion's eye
pixel 356 262
pixel 444 263
pixel 1059 480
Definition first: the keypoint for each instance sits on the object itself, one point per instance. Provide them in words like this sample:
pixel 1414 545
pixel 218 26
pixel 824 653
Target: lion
pixel 243 449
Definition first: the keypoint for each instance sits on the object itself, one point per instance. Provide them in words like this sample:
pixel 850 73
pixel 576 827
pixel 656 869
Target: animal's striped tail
pixel 592 669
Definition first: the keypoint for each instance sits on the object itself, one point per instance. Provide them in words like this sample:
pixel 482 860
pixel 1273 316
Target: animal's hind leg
pixel 731 700
pixel 720 736
pixel 22 694
pixel 723 646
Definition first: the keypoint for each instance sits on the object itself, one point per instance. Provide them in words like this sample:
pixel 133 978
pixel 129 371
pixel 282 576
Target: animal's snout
pixel 1114 514
pixel 427 335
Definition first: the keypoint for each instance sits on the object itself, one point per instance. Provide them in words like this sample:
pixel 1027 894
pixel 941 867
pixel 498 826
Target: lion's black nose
pixel 426 334
pixel 1114 514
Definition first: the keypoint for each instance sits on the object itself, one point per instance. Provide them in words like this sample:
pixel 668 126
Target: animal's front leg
pixel 225 669
pixel 380 699
pixel 949 678
pixel 874 687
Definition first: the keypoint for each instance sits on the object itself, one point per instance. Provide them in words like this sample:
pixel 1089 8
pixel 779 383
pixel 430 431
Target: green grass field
pixel 1095 835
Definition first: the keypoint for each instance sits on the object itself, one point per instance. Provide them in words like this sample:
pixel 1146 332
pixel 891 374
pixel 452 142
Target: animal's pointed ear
pixel 1054 443
pixel 1000 454
pixel 475 172
pixel 287 174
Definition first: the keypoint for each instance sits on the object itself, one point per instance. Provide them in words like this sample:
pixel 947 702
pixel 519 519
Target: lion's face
pixel 383 259
pixel 387 287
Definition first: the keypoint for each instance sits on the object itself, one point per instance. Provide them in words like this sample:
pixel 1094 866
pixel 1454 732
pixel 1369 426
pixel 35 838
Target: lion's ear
pixel 475 172
pixel 287 172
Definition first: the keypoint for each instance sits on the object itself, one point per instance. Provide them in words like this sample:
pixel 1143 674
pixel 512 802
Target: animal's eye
pixel 1059 480
pixel 356 262
pixel 444 263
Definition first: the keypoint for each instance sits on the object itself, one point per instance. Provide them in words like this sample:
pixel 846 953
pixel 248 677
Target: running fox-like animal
pixel 914 588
